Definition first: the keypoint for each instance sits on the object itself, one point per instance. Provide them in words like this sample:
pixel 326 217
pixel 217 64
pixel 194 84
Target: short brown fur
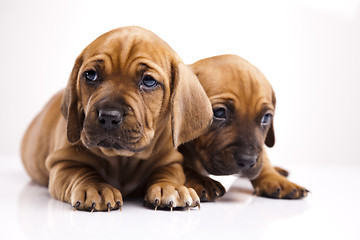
pixel 67 148
pixel 234 144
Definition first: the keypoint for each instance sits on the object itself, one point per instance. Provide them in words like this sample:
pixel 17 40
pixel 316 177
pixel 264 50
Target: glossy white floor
pixel 329 212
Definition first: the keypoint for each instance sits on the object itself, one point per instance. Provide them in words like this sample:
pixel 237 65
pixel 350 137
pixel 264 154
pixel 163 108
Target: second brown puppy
pixel 243 104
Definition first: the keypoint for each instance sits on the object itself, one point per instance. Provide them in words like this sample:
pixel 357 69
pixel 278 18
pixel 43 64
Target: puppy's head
pixel 243 103
pixel 128 87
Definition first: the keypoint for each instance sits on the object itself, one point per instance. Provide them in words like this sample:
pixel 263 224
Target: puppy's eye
pixel 219 113
pixel 91 75
pixel 149 81
pixel 266 120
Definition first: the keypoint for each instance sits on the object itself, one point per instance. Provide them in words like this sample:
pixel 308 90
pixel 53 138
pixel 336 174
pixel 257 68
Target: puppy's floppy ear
pixel 270 137
pixel 69 105
pixel 191 111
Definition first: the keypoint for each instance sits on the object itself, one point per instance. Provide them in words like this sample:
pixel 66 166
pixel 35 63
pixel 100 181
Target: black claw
pixel 187 205
pixel 118 203
pixel 221 188
pixel 198 204
pixel 171 204
pixel 302 193
pixel 157 203
pixel 109 208
pixel 77 205
pixel 222 193
pixel 92 208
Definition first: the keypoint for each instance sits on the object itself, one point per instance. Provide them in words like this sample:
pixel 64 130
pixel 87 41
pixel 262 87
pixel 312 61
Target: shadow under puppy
pixel 243 104
pixel 115 128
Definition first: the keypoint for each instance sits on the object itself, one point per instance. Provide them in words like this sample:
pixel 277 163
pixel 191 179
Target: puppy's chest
pixel 127 174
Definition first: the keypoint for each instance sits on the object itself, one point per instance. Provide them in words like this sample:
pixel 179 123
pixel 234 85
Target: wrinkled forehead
pixel 122 47
pixel 237 81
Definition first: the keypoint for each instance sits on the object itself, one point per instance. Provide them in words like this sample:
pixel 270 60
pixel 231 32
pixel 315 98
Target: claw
pixel 216 192
pixel 157 203
pixel 198 204
pixel 92 208
pixel 171 203
pixel 118 203
pixel 187 206
pixel 76 206
pixel 303 193
pixel 109 208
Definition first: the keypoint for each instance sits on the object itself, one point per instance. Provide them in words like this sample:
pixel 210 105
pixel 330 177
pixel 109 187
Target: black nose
pixel 110 119
pixel 246 162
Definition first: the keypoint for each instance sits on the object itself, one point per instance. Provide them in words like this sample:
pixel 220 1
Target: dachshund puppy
pixel 243 104
pixel 114 130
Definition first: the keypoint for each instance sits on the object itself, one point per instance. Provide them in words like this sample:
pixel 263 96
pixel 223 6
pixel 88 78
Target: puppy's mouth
pixel 248 165
pixel 221 164
pixel 109 141
pixel 253 172
pixel 107 144
pixel 227 162
pixel 120 139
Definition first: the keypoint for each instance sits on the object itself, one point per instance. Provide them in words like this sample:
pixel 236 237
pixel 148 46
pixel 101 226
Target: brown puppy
pixel 243 103
pixel 127 106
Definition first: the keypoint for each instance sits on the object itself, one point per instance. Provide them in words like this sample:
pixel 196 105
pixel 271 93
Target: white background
pixel 308 49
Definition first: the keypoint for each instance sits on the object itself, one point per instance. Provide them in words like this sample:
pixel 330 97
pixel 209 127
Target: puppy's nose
pixel 110 118
pixel 246 162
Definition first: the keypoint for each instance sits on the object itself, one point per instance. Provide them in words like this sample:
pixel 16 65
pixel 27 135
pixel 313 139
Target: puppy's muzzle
pixel 110 119
pixel 246 162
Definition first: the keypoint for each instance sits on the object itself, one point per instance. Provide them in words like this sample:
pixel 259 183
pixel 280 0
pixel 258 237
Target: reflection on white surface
pixel 329 212
pixel 39 215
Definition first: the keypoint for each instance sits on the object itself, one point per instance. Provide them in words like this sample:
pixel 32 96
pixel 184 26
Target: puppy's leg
pixel 207 188
pixel 271 183
pixel 166 188
pixel 82 187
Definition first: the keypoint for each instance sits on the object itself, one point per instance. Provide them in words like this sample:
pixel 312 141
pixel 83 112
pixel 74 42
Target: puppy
pixel 243 103
pixel 114 130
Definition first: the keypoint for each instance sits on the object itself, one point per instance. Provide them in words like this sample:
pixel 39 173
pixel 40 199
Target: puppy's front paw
pixel 276 186
pixel 96 197
pixel 208 189
pixel 168 195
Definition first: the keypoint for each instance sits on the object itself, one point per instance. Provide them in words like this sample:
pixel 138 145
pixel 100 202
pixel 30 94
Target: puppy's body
pixel 243 103
pixel 46 148
pixel 116 125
